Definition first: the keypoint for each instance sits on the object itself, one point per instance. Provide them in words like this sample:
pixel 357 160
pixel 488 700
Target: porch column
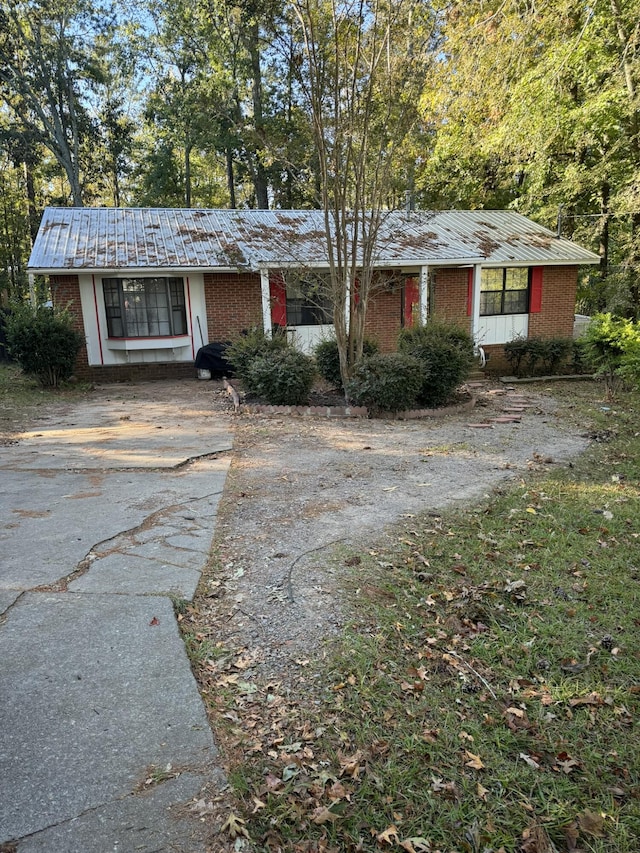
pixel 424 295
pixel 475 303
pixel 266 302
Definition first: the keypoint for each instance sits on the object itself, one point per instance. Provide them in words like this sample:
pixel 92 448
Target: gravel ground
pixel 301 490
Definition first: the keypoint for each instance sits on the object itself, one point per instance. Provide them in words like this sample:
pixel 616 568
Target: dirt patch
pixel 303 493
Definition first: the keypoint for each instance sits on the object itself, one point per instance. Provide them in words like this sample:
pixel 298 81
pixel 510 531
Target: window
pixel 307 305
pixel 504 291
pixel 144 307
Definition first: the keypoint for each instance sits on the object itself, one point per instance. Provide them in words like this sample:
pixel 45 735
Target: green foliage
pixel 328 359
pixel 245 348
pixel 612 347
pixel 446 352
pixel 44 343
pixel 386 382
pixel 281 377
pixel 515 352
pixel 529 356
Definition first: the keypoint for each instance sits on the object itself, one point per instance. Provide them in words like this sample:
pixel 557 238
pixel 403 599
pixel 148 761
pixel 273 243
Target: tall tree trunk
pixel 31 202
pixel 605 192
pixel 231 183
pixel 259 176
pixel 187 174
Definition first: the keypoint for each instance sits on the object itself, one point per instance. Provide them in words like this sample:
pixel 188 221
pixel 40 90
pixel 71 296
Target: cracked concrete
pixel 105 512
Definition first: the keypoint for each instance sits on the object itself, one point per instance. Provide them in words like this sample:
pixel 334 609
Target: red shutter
pixel 469 292
pixel 535 296
pixel 278 295
pixel 411 298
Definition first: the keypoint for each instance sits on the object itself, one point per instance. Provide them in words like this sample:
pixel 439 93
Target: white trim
pixel 265 293
pixel 475 302
pixel 176 342
pixel 424 294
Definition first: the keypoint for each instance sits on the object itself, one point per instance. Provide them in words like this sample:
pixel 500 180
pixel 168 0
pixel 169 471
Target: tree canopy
pixel 347 105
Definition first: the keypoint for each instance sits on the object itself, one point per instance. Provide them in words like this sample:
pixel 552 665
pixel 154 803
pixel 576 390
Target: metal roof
pixel 160 238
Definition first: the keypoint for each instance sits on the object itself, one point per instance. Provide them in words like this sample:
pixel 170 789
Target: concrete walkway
pixel 106 513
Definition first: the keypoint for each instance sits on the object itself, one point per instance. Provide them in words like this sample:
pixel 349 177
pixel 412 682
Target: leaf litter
pixel 311 735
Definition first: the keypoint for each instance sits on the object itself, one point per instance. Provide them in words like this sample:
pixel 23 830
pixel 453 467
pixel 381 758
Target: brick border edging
pixel 356 411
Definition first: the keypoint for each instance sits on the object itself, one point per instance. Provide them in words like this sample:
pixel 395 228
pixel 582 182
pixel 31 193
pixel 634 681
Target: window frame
pixel 175 306
pixel 504 291
pixel 315 305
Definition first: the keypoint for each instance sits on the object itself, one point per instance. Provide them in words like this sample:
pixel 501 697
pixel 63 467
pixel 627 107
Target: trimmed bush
pixel 44 343
pixel 446 352
pixel 328 359
pixel 388 382
pixel 281 377
pixel 531 356
pixel 254 343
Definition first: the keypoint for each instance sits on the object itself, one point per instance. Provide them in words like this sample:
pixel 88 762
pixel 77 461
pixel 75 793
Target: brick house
pixel 149 287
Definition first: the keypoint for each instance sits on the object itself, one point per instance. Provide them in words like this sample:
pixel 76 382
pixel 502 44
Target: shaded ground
pixel 300 490
pixel 298 493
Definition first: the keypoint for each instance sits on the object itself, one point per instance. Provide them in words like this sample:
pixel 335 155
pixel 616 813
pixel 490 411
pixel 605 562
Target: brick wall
pixel 384 314
pixel 65 293
pixel 147 372
pixel 234 303
pixel 555 318
pixel 449 297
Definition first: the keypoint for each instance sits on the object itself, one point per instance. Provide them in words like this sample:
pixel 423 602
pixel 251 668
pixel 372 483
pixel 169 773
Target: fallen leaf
pixel 323 815
pixel 350 765
pixel 416 845
pixel 154 621
pixel 517 712
pixel 482 792
pixel 430 735
pixel 592 823
pixel 536 840
pixel 474 761
pixel 202 807
pixel 591 699
pixel 528 760
pixel 258 805
pixel 388 836
pixel 234 825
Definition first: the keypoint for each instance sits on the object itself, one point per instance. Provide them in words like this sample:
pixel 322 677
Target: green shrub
pixel 446 352
pixel 328 359
pixel 555 353
pixel 44 343
pixel 281 377
pixel 388 382
pixel 529 356
pixel 515 352
pixel 245 348
pixel 612 348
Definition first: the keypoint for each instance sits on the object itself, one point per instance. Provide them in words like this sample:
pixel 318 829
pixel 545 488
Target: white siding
pixel 502 329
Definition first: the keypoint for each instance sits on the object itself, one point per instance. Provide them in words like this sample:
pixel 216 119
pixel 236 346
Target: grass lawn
pixel 486 697
pixel 21 396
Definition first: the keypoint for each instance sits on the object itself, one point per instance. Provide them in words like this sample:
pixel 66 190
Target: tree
pixel 48 67
pixel 537 108
pixel 361 69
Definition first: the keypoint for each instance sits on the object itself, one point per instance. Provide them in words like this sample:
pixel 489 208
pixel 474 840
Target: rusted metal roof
pixel 182 239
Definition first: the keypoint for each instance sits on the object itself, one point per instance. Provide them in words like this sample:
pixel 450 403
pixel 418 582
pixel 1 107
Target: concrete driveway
pixel 106 513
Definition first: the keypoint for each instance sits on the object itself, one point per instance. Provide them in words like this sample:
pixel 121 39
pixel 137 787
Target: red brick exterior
pixel 65 293
pixel 234 303
pixel 555 318
pixel 384 315
pixel 449 297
